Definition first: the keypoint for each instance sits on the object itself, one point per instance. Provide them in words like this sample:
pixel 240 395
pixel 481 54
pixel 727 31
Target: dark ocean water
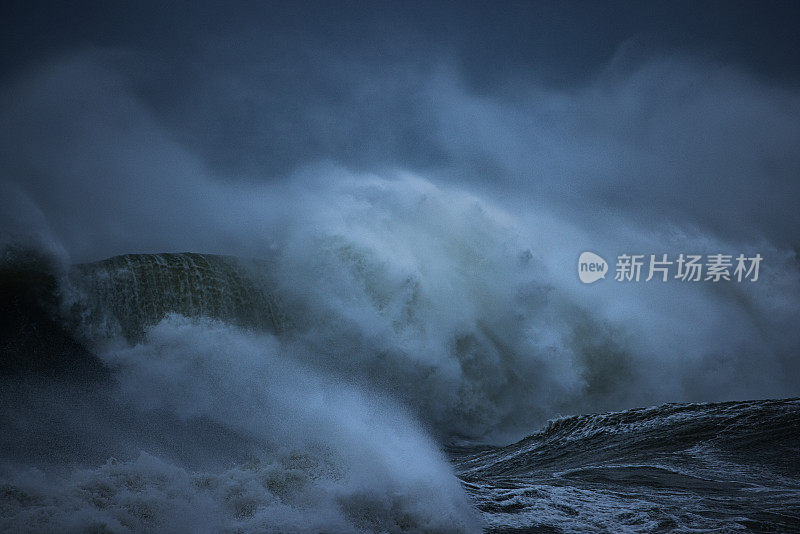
pixel 168 393
pixel 723 467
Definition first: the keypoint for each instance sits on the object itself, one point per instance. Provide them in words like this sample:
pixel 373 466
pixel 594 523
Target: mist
pixel 668 155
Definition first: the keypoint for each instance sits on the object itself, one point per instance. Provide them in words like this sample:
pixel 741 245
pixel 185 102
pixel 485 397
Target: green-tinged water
pixel 124 295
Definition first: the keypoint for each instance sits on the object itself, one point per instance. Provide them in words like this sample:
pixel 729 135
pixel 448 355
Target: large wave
pixel 467 314
pixel 313 388
pixel 300 368
pixel 430 297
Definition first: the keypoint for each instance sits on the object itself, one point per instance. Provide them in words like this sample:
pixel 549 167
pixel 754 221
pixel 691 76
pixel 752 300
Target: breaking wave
pixel 314 388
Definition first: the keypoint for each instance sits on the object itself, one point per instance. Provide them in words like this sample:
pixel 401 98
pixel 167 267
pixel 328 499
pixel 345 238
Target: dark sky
pixel 673 112
pixel 564 42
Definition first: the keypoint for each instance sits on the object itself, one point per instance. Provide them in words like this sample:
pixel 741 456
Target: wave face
pixel 125 295
pixel 697 467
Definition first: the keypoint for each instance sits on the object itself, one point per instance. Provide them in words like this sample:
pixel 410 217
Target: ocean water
pixel 410 371
pixel 726 467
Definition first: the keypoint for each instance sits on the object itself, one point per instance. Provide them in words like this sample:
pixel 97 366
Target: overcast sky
pixel 671 113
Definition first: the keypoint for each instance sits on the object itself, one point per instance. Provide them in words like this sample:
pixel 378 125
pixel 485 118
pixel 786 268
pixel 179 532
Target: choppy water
pixel 679 467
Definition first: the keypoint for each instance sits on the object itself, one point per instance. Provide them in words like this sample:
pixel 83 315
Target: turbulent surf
pixel 220 399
